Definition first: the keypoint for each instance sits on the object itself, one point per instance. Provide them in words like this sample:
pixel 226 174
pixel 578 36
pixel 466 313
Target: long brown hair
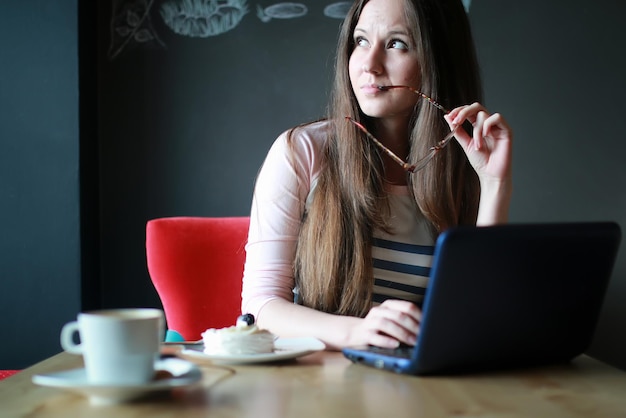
pixel 333 265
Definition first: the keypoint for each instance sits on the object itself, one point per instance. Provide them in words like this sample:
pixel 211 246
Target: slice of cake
pixel 243 338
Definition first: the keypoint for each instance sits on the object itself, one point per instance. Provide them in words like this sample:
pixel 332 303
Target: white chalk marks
pixel 131 25
pixel 131 22
pixel 203 18
pixel 281 11
pixel 337 10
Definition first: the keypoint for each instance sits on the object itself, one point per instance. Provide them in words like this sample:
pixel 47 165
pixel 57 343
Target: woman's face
pixel 384 54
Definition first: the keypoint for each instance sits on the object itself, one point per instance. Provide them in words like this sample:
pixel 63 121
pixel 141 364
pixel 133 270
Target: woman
pixel 336 223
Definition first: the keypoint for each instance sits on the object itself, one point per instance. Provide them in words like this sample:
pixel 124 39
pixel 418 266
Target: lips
pixel 370 89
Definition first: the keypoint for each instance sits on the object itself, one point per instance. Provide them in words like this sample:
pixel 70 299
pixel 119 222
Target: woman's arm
pixel 278 204
pixel 386 325
pixel 495 199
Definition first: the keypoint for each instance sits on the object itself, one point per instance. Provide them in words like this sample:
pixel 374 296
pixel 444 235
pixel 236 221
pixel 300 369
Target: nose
pixel 372 62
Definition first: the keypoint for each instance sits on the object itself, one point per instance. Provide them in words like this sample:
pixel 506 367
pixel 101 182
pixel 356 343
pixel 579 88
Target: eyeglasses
pixel 422 162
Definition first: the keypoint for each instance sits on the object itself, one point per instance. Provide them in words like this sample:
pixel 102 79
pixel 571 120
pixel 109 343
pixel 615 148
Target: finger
pixel 405 307
pixel 460 134
pixel 453 113
pixel 402 326
pixel 380 340
pixel 458 116
pixel 467 112
pixel 398 325
pixel 400 333
pixel 385 331
pixel 494 125
pixel 478 138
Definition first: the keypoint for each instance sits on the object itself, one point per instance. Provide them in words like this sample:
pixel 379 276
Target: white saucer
pixel 284 349
pixel 184 373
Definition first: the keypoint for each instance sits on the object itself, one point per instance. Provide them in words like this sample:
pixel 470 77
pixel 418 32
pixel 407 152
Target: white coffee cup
pixel 119 346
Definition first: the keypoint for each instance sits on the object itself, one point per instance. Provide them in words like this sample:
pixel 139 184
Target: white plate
pixel 284 349
pixel 184 373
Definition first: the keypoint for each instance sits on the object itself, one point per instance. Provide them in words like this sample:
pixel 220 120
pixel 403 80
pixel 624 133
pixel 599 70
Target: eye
pixel 360 41
pixel 398 44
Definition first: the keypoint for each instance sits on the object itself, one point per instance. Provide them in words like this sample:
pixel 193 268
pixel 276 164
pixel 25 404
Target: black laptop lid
pixel 514 295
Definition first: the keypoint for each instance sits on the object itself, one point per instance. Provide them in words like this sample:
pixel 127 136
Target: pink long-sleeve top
pixel 285 182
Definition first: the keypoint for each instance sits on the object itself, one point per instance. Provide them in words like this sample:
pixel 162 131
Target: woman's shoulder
pixel 311 135
pixel 305 142
pixel 301 148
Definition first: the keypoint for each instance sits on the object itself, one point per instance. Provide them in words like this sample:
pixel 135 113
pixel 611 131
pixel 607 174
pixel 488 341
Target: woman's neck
pixel 394 134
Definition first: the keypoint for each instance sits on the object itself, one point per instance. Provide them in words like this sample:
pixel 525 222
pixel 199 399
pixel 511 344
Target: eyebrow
pixel 394 32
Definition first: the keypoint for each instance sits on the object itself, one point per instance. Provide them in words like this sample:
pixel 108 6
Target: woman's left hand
pixel 489 148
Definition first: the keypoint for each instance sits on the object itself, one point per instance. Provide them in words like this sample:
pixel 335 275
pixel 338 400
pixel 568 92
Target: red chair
pixel 196 266
pixel 7 373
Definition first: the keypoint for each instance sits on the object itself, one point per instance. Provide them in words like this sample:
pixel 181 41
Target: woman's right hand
pixel 388 325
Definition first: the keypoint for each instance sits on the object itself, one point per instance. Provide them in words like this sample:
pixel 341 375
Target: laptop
pixel 507 297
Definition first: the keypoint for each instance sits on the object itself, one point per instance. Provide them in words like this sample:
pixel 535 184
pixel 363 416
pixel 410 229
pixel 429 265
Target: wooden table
pixel 325 384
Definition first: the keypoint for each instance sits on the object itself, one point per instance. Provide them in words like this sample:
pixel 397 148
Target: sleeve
pixel 278 204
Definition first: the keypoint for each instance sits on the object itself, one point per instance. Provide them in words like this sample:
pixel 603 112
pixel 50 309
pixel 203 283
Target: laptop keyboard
pixel 404 351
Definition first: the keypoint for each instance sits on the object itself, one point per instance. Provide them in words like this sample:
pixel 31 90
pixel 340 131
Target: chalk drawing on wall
pixel 337 10
pixel 281 11
pixel 203 18
pixel 131 25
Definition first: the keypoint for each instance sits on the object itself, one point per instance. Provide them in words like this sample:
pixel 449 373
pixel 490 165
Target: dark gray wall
pixel 556 70
pixel 39 177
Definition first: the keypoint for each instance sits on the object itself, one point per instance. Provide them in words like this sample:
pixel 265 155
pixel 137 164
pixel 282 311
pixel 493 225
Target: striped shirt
pixel 402 259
